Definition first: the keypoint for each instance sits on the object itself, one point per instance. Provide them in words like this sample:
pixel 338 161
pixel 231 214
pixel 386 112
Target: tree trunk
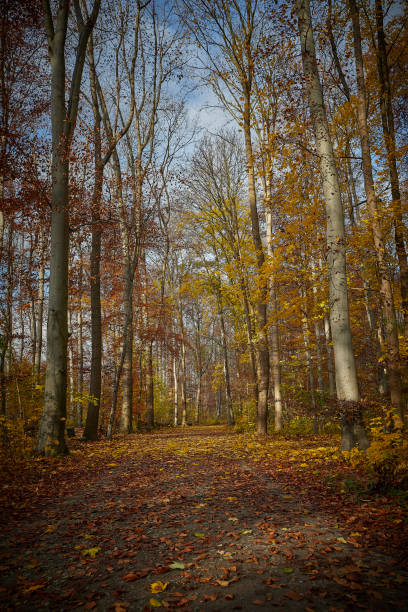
pixel 92 416
pixel 228 396
pixel 387 302
pixel 149 386
pixel 175 383
pixel 40 308
pixel 261 347
pixel 329 356
pixel 387 120
pixel 6 340
pixel 345 367
pixel 51 435
pixel 275 348
pixel 125 425
pixel 79 406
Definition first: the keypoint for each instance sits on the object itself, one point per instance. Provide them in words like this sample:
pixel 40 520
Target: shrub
pixel 386 458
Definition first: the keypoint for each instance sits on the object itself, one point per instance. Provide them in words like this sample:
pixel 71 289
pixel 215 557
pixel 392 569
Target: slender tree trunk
pixel 309 364
pixel 275 348
pixel 329 356
pixel 149 386
pixel 387 302
pixel 228 396
pixel 198 400
pixel 6 341
pixel 40 308
pixel 387 120
pixel 125 425
pixel 71 387
pixel 175 383
pixel 92 416
pixel 79 406
pixel 262 351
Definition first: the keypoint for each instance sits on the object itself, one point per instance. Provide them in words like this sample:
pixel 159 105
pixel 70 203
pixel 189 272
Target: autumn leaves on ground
pixel 200 519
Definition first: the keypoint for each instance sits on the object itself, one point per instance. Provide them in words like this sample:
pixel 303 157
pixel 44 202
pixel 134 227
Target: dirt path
pixel 237 538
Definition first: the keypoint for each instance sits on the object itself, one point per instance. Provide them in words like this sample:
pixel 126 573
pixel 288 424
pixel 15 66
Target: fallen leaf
pixel 91 552
pixel 293 595
pixel 130 577
pixel 33 587
pixel 158 587
pixel 177 565
pixel 155 603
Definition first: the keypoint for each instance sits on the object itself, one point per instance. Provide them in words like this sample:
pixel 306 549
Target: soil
pixel 238 533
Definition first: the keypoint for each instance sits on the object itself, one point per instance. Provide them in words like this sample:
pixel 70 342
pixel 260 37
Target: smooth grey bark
pixel 51 435
pixel 175 392
pixel 149 386
pixel 345 367
pixel 274 326
pixel 183 386
pixel 40 307
pixel 6 339
pixel 226 368
pixel 386 294
pixel 329 356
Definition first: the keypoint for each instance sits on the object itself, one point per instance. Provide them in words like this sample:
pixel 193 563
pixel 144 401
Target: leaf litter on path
pixel 199 519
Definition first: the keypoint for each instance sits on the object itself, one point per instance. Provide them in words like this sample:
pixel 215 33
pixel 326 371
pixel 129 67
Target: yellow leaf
pixel 158 587
pixel 155 603
pixel 223 583
pixel 91 552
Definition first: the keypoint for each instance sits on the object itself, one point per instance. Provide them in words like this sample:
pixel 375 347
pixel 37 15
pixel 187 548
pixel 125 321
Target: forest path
pixel 242 532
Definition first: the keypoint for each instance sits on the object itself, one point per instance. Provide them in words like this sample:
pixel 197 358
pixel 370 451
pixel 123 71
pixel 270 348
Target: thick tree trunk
pixel 387 302
pixel 51 435
pixel 387 120
pixel 345 367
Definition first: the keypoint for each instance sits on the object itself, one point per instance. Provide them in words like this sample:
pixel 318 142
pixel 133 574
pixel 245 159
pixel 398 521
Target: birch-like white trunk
pixel 345 367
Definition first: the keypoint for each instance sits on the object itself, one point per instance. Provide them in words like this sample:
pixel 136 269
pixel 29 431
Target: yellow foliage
pixel 387 456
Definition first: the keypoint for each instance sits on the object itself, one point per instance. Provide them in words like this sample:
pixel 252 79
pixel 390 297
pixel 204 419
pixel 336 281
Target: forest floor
pixel 200 519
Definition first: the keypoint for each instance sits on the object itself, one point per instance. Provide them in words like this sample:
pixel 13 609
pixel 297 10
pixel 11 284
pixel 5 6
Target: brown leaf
pixel 130 577
pixel 293 595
